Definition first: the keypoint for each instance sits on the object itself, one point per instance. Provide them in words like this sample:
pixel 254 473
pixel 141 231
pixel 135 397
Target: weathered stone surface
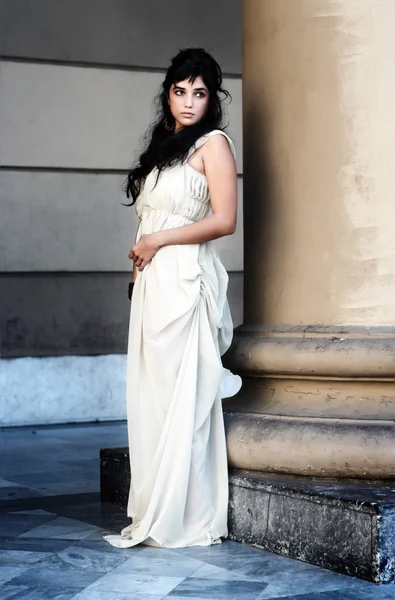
pixel 342 525
pixel 345 526
pixel 386 541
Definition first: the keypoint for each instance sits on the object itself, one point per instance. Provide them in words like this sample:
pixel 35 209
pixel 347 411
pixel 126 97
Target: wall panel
pixel 121 32
pixel 75 222
pixel 82 118
pixel 56 314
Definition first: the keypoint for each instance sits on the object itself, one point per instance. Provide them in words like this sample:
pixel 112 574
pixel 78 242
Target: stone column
pixel 317 347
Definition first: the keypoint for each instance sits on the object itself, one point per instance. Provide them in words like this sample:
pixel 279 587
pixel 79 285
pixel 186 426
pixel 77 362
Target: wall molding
pixel 97 65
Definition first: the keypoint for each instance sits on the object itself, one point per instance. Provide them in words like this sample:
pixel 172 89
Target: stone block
pixel 346 526
pixel 114 476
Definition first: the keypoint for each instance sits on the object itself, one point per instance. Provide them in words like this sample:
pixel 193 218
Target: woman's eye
pixel 179 92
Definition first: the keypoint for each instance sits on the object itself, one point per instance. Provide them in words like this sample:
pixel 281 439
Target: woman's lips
pixel 186 114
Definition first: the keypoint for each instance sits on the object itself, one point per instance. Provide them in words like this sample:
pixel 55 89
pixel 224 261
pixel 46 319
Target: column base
pixel 314 402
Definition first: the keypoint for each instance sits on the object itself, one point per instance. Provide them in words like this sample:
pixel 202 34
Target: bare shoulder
pixel 217 141
pixel 218 159
pixel 217 146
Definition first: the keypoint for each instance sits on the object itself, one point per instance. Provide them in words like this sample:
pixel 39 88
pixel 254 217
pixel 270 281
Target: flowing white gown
pixel 180 325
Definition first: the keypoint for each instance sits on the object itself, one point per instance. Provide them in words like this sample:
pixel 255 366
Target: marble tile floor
pixel 52 523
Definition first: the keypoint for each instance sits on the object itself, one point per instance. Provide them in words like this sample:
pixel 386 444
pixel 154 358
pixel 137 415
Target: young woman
pixel 185 191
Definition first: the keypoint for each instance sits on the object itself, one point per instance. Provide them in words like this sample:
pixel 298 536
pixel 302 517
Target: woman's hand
pixel 144 251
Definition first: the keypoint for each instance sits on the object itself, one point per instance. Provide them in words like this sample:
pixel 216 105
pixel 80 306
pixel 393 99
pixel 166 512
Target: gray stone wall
pixel 76 89
pixel 77 81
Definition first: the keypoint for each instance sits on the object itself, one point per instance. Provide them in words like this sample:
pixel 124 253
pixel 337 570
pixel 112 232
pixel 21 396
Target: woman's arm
pixel 220 170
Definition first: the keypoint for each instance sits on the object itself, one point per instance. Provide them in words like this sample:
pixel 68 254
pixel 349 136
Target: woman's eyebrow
pixel 197 89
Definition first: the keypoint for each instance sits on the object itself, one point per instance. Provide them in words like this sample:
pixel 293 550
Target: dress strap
pixel 202 140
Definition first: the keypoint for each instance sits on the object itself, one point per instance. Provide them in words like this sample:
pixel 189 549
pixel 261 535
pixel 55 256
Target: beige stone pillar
pixel 317 347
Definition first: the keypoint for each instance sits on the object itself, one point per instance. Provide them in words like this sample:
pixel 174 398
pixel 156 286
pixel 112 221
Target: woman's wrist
pixel 159 239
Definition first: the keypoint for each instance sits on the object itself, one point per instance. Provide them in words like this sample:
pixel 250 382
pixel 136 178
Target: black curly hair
pixel 164 146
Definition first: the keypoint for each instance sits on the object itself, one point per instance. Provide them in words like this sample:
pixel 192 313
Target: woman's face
pixel 188 102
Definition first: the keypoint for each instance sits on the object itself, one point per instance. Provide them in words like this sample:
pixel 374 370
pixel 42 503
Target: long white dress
pixel 180 325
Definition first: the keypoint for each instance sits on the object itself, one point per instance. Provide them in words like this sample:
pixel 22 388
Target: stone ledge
pixel 346 526
pixel 342 525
